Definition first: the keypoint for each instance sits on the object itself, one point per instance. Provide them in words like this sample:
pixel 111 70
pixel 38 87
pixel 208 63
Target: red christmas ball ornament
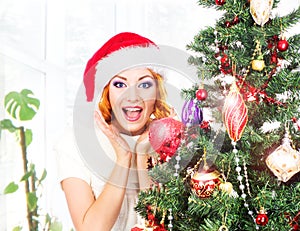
pixel 201 94
pixel 204 182
pixel 282 45
pixel 165 136
pixel 270 45
pixel 294 119
pixel 227 24
pixel 224 59
pixel 151 217
pixel 274 58
pixel 262 218
pixel 295 227
pixel 236 20
pixel 220 2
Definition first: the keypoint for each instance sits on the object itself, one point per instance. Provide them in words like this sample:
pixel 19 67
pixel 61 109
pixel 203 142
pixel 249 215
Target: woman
pixel 129 102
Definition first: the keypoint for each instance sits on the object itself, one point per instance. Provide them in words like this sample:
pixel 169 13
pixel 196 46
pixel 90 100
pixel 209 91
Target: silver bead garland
pixel 170 218
pixel 177 165
pixel 238 169
pixel 246 178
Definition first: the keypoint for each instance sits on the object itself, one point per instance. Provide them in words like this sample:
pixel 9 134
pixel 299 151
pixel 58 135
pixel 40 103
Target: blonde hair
pixel 161 108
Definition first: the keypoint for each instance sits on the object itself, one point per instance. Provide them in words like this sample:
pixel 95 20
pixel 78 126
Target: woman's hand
pixel 143 151
pixel 143 146
pixel 120 145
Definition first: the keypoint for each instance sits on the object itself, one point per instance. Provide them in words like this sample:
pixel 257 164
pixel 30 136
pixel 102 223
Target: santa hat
pixel 117 42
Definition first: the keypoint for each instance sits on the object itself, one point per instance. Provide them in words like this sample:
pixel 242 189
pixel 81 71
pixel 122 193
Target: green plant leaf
pixel 47 219
pixel 43 176
pixel 56 226
pixel 32 200
pixel 6 124
pixel 26 176
pixel 32 167
pixel 11 188
pixel 20 105
pixel 28 137
pixel 17 228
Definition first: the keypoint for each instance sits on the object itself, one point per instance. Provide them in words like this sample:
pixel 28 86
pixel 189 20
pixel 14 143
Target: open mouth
pixel 132 113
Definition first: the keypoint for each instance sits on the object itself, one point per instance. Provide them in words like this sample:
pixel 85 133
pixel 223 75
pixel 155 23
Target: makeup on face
pixel 132 94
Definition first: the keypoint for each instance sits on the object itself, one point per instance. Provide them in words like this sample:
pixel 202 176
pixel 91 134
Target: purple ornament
pixel 191 113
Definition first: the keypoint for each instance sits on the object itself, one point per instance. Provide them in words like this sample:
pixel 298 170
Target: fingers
pixel 104 127
pixel 100 120
pixel 172 112
pixel 109 130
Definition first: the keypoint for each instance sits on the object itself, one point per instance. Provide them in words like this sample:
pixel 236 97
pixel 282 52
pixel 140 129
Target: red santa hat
pixel 117 42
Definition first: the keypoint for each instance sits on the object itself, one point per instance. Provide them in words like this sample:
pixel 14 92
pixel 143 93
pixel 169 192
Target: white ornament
pixel 261 10
pixel 284 162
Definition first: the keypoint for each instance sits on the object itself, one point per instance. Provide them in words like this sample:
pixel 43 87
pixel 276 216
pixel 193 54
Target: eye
pixel 119 84
pixel 145 85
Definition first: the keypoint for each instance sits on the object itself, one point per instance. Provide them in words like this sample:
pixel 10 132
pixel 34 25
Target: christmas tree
pixel 240 169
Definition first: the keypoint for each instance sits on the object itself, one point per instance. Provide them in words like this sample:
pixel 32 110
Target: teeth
pixel 132 109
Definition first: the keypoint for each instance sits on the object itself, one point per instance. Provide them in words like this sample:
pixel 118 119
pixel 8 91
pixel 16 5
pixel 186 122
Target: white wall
pixel 44 46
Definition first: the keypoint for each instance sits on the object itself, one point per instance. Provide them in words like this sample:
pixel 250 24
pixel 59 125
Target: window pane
pixel 22 26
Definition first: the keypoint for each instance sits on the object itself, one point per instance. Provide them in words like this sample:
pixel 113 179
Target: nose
pixel 132 94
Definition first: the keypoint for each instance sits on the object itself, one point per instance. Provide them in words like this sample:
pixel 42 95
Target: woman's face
pixel 132 95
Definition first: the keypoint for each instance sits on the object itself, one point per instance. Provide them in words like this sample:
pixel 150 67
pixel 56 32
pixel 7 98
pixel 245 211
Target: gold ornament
pixel 284 162
pixel 261 10
pixel 223 228
pixel 226 187
pixel 258 64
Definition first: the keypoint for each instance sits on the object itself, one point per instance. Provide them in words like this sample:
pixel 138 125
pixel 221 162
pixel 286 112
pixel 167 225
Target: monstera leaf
pixel 21 105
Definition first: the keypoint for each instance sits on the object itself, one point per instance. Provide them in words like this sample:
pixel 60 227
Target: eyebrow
pixel 142 77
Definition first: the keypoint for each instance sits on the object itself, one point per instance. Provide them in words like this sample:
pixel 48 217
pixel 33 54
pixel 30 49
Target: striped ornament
pixel 235 113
